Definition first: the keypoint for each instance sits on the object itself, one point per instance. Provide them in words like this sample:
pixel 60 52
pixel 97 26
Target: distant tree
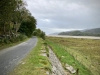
pixel 38 32
pixel 42 35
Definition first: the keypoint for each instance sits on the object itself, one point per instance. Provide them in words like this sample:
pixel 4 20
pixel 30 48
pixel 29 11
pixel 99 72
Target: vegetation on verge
pixel 65 50
pixel 34 63
pixel 4 43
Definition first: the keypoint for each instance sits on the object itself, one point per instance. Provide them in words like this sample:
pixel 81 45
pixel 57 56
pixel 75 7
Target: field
pixel 85 51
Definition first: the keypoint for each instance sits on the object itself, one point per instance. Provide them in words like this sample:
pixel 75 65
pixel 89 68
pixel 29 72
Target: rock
pixel 23 62
pixel 57 68
pixel 47 73
pixel 70 68
pixel 67 65
pixel 43 51
pixel 44 54
pixel 53 68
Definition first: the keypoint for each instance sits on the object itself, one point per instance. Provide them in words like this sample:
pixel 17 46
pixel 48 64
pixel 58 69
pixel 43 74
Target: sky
pixel 65 15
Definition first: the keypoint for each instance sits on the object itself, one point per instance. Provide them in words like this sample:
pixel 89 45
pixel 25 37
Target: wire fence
pixel 87 61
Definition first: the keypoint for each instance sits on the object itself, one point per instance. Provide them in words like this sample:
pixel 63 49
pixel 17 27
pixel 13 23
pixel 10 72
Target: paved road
pixel 86 37
pixel 10 57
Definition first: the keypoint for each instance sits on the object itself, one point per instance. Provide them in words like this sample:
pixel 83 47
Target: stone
pixel 43 51
pixel 44 54
pixel 57 68
pixel 23 62
pixel 47 73
pixel 70 68
pixel 53 68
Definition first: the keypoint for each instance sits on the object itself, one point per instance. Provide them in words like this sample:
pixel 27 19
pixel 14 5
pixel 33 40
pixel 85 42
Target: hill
pixel 87 32
pixel 54 33
pixel 94 31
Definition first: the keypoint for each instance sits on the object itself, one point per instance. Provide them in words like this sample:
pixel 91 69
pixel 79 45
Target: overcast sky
pixel 64 15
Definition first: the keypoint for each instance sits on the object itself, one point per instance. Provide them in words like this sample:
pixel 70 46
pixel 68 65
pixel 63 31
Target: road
pixel 11 57
pixel 67 36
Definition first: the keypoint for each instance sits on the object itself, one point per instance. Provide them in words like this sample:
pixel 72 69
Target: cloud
pixel 54 15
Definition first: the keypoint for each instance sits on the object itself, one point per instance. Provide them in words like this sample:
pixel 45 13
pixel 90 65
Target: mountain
pixel 94 31
pixel 87 32
pixel 54 34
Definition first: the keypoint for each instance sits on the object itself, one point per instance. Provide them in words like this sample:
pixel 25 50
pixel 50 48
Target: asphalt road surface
pixel 11 57
pixel 67 36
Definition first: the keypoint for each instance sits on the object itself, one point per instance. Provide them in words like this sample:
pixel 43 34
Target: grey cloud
pixel 65 14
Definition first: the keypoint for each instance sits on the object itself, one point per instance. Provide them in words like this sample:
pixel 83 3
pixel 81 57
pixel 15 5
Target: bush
pixel 22 37
pixel 4 41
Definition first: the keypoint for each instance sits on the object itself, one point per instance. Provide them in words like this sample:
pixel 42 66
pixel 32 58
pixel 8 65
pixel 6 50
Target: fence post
pixel 77 71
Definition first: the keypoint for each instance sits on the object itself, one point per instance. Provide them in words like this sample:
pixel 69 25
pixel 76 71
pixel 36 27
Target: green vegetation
pixel 27 27
pixel 5 43
pixel 16 23
pixel 68 59
pixel 12 14
pixel 34 63
pixel 39 33
pixel 85 51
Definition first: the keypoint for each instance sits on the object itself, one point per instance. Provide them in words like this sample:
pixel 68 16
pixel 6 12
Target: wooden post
pixel 77 71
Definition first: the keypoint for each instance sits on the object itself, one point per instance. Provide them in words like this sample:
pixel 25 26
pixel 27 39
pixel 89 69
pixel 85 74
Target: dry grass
pixel 86 51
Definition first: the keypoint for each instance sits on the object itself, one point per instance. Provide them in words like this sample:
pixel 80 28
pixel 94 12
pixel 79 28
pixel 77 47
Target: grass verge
pixel 12 44
pixel 65 57
pixel 34 63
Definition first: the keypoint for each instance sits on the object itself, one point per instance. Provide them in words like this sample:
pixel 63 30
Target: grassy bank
pixel 86 51
pixel 5 43
pixel 35 63
pixel 66 57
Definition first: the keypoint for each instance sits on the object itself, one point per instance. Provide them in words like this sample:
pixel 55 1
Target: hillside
pixel 54 33
pixel 88 32
pixel 94 31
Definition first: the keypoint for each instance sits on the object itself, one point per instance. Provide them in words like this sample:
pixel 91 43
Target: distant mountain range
pixel 54 34
pixel 87 32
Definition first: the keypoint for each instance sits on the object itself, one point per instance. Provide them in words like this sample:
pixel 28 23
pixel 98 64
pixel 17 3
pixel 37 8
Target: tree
pixel 12 14
pixel 27 27
pixel 42 35
pixel 7 7
pixel 38 32
pixel 8 10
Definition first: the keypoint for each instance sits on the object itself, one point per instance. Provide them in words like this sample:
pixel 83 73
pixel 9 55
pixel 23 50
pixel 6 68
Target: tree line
pixel 16 20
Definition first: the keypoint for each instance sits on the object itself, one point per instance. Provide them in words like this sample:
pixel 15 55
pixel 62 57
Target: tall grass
pixel 86 51
pixel 65 57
